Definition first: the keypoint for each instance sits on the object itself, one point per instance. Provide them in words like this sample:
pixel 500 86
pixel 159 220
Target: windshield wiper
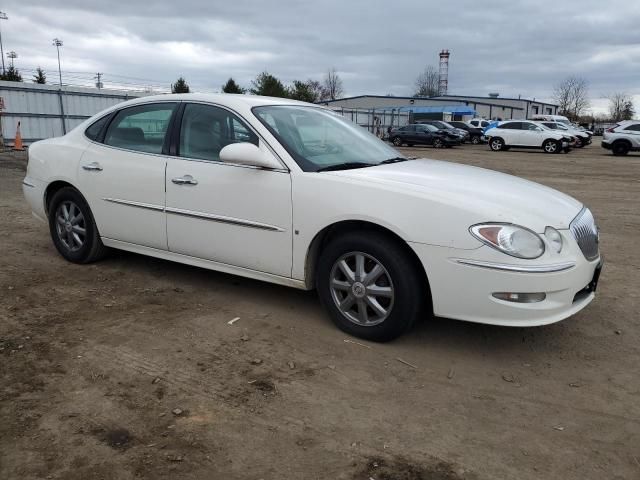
pixel 345 166
pixel 394 160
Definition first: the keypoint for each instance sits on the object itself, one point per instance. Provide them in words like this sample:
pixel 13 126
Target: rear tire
pixel 475 140
pixel 397 141
pixel 370 286
pixel 497 144
pixel 620 148
pixel 73 229
pixel 437 143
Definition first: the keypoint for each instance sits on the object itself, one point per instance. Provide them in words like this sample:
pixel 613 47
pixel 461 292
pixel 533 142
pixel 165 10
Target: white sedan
pixel 291 193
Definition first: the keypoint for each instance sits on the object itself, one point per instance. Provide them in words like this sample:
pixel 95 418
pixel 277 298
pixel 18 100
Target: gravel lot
pixel 128 368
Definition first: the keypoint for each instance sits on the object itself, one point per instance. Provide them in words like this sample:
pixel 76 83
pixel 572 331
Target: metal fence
pixel 376 121
pixel 50 111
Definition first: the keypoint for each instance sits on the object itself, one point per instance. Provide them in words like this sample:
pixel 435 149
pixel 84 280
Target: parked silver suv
pixel 623 137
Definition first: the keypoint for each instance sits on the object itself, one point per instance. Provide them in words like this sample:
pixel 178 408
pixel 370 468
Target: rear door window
pixel 141 128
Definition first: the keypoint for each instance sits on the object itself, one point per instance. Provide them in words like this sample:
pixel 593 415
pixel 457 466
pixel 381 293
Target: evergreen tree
pixel 180 86
pixel 303 91
pixel 40 77
pixel 267 84
pixel 232 87
pixel 11 75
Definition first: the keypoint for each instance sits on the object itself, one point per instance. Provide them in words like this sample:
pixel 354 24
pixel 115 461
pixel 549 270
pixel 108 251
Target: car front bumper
pixel 463 282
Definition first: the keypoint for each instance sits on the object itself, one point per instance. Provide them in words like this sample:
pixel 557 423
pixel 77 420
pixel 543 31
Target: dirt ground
pixel 128 368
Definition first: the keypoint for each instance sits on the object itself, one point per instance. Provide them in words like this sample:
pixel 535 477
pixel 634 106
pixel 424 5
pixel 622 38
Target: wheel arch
pixel 324 236
pixel 52 188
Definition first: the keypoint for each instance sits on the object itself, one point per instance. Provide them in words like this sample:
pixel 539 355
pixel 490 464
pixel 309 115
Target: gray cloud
pixel 516 47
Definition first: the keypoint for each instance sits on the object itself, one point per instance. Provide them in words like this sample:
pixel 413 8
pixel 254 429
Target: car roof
pixel 228 99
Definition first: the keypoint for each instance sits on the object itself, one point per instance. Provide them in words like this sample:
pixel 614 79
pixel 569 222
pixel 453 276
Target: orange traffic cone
pixel 17 144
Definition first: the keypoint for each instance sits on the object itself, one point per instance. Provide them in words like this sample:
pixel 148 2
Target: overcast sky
pixel 509 46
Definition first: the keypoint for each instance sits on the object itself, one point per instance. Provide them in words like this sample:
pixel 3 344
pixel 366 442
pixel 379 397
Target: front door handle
pixel 185 180
pixel 93 167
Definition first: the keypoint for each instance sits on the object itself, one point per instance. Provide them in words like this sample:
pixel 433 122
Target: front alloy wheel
pixel 371 285
pixel 551 146
pixel 362 289
pixel 397 142
pixel 437 143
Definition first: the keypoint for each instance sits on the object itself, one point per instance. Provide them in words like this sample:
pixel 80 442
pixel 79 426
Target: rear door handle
pixel 93 167
pixel 185 180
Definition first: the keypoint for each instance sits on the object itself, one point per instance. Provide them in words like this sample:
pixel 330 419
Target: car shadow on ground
pixel 473 338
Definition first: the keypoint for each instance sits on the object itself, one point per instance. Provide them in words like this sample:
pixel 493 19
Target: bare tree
pixel 428 83
pixel 332 85
pixel 620 106
pixel 572 95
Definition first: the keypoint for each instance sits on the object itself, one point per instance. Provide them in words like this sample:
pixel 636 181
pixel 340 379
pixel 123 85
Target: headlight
pixel 554 238
pixel 510 239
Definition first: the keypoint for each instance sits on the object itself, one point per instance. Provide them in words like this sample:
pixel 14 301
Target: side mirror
pixel 247 154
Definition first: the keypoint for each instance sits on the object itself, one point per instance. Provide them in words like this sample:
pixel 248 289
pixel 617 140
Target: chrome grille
pixel 585 231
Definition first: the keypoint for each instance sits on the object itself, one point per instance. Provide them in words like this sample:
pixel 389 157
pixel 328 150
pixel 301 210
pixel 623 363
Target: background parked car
pixel 525 134
pixel 475 133
pixel 478 123
pixel 463 135
pixel 582 137
pixel 423 134
pixel 623 137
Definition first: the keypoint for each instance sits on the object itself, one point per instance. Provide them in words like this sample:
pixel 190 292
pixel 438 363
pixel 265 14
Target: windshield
pixel 319 139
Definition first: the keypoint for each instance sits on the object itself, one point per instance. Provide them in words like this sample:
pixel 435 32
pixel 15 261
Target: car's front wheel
pixel 370 286
pixel 438 143
pixel 496 144
pixel 73 230
pixel 475 140
pixel 551 146
pixel 397 141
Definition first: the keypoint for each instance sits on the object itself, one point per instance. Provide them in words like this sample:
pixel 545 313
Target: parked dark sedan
pixel 475 133
pixel 422 134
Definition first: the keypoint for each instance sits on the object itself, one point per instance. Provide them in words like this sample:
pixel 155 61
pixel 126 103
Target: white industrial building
pixel 448 107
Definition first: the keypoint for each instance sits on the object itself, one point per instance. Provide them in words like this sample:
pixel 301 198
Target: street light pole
pixel 58 43
pixel 3 16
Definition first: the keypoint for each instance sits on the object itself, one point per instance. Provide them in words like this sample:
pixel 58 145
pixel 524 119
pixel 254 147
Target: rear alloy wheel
pixel 475 140
pixel 370 286
pixel 551 146
pixel 73 229
pixel 620 148
pixel 496 144
pixel 397 141
pixel 438 143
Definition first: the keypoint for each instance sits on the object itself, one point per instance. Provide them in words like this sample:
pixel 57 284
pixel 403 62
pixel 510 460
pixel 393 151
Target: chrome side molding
pixel 204 216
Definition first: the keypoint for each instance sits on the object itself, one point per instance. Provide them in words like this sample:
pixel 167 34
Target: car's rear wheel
pixel 551 146
pixel 620 148
pixel 579 143
pixel 397 141
pixel 370 286
pixel 72 227
pixel 496 144
pixel 475 140
pixel 438 143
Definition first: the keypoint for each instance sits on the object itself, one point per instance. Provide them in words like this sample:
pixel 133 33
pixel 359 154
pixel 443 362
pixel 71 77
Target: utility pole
pixel 58 43
pixel 3 16
pixel 98 82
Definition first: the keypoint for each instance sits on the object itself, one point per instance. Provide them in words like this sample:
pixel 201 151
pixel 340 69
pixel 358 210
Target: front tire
pixel 551 146
pixel 397 141
pixel 370 286
pixel 73 229
pixel 437 143
pixel 475 140
pixel 496 144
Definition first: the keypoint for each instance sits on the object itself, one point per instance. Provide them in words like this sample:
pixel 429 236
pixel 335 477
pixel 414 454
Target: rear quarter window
pixel 94 130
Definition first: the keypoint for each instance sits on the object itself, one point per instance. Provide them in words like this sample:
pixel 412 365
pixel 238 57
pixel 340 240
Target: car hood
pixel 480 195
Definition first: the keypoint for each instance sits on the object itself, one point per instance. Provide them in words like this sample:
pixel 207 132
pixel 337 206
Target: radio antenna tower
pixel 443 86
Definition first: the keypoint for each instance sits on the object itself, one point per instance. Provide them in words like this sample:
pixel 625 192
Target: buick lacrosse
pixel 292 193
